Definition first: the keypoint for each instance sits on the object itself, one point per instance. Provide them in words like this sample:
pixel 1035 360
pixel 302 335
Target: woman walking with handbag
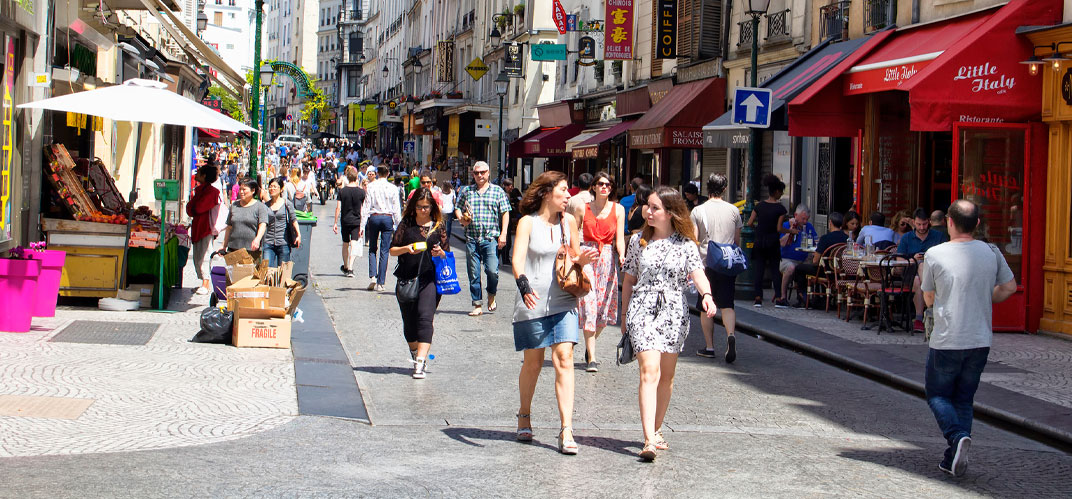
pixel 545 315
pixel 202 207
pixel 657 266
pixel 419 237
pixel 280 216
pixel 603 227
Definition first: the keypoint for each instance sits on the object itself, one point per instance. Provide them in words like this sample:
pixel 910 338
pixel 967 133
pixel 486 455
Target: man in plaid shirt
pixel 484 210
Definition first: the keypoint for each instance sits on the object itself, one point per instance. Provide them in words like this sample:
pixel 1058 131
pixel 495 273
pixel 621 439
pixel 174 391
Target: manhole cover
pixel 107 333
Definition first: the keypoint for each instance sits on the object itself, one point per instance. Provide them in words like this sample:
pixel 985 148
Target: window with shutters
pixel 699 30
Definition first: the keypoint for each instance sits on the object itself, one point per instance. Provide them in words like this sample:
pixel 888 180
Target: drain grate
pixel 107 333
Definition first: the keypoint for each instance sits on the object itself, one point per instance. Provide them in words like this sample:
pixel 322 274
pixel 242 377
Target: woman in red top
pixel 603 228
pixel 203 229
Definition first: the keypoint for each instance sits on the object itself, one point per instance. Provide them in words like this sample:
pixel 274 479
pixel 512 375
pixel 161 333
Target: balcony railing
pixel 468 20
pixel 834 20
pixel 350 16
pixel 778 25
pixel 880 14
pixel 744 40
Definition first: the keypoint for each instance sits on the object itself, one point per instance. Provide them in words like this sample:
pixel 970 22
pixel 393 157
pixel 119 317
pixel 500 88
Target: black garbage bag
pixel 215 326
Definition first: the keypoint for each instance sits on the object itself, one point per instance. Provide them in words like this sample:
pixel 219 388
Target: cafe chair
pixel 820 284
pixel 898 273
pixel 862 290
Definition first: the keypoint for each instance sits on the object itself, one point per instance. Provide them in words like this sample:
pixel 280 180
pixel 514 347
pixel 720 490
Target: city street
pixel 775 423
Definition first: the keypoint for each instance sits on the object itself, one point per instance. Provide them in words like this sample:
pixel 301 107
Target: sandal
pixel 492 304
pixel 568 447
pixel 648 454
pixel 524 434
pixel 476 312
pixel 660 441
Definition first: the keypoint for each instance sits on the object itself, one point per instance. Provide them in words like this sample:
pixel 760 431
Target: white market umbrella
pixel 145 101
pixel 141 101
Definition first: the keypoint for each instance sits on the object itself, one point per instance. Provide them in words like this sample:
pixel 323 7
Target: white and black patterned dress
pixel 658 315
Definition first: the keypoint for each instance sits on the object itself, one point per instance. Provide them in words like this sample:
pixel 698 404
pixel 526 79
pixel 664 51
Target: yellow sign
pixel 368 119
pixel 454 130
pixel 477 69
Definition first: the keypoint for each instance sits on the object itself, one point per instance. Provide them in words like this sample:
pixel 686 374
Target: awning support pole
pixel 131 199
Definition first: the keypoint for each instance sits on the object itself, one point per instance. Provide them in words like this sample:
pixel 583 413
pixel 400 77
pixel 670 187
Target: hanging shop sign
pixel 571 22
pixel 445 56
pixel 1066 87
pixel 558 14
pixel 619 32
pixel 548 52
pixel 513 59
pixel 477 69
pixel 7 154
pixel 666 40
pixel 453 134
pixel 586 51
pixel 591 25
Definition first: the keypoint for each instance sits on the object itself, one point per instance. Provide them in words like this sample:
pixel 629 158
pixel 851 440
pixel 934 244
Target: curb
pixel 911 385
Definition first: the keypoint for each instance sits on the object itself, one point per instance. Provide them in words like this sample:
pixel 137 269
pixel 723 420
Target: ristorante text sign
pixel 619 31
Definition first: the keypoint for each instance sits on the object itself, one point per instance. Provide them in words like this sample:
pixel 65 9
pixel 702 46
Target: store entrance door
pixel 990 168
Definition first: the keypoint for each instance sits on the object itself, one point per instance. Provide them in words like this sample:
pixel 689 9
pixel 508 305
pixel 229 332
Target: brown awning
pixel 677 120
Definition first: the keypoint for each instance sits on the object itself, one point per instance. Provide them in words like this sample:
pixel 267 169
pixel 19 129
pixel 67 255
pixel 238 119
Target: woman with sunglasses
pixel 603 230
pixel 419 236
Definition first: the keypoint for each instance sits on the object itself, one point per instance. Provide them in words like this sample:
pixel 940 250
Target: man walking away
pixel 962 279
pixel 718 221
pixel 380 214
pixel 484 210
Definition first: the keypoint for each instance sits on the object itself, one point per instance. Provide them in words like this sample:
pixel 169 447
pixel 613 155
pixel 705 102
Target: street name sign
pixel 548 52
pixel 752 107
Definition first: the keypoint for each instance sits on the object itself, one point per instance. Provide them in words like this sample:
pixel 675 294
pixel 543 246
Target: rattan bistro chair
pixel 821 284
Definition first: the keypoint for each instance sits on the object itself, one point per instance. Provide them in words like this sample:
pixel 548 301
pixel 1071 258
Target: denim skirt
pixel 543 332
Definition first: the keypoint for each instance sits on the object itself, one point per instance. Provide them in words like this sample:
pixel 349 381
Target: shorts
pixel 543 332
pixel 786 263
pixel 723 289
pixel 350 233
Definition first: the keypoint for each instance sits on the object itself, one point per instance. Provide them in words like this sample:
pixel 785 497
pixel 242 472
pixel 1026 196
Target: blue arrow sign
pixel 752 107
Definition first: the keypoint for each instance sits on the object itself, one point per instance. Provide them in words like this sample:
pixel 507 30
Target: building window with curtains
pixel 352 78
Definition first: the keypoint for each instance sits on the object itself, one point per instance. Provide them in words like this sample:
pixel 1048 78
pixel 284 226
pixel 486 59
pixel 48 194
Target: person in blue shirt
pixel 796 230
pixel 627 202
pixel 913 245
pixel 877 230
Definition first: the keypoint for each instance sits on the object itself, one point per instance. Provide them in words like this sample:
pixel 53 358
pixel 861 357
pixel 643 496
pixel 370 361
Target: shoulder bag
pixel 407 290
pixel 290 235
pixel 725 259
pixel 569 275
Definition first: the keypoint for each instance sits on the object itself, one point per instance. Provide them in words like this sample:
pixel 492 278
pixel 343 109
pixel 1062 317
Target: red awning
pixel 208 132
pixel 965 69
pixel 678 119
pixel 590 148
pixel 547 142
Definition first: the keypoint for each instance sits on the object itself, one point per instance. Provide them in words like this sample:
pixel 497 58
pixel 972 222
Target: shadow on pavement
pixel 385 370
pixel 467 435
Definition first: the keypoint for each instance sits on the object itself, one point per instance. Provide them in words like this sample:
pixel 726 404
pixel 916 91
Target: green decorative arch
pixel 297 75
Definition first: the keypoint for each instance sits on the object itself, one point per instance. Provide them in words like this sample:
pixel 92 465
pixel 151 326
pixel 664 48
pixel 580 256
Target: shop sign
pixel 571 22
pixel 483 128
pixel 619 31
pixel 599 113
pixel 7 153
pixel 558 14
pixel 453 134
pixel 592 25
pixel 881 79
pixel 1066 87
pixel 512 62
pixel 985 78
pixel 587 152
pixel 477 69
pixel 586 51
pixel 696 72
pixel 666 32
pixel 658 89
pixel 358 120
pixel 685 137
pixel 646 139
pixel 548 52
pixel 445 56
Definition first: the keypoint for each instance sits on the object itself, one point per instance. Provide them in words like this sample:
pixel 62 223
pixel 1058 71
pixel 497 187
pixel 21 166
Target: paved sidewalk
pixel 1027 382
pixel 165 393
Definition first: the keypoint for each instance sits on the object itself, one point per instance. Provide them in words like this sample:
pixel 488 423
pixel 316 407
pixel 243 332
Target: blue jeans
pixel 448 221
pixel 378 231
pixel 276 254
pixel 951 380
pixel 475 253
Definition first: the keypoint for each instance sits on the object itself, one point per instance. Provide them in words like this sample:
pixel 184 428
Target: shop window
pixel 990 173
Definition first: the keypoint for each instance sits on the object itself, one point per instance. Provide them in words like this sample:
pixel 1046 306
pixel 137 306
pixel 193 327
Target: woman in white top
pixel 446 199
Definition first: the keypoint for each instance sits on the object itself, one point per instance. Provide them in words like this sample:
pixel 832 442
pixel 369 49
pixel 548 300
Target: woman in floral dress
pixel 657 267
pixel 603 229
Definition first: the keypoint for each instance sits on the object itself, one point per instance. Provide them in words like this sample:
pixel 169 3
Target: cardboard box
pixel 142 289
pixel 240 271
pixel 128 295
pixel 238 256
pixel 262 333
pixel 255 300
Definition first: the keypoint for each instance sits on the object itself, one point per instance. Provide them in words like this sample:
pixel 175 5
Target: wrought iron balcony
pixel 744 40
pixel 468 20
pixel 879 14
pixel 778 25
pixel 834 20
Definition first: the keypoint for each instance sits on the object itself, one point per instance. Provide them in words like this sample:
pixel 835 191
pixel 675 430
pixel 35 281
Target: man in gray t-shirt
pixel 961 280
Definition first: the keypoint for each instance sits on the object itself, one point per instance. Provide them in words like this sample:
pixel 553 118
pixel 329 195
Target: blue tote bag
pixel 446 280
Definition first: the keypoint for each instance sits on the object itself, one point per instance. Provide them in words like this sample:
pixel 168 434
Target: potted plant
pixel 454 95
pixel 48 283
pixel 507 18
pixel 519 11
pixel 18 289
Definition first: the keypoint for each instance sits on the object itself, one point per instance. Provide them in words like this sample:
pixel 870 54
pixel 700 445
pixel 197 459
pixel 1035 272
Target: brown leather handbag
pixel 570 276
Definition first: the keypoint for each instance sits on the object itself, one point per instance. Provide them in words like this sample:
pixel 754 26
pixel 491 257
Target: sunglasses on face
pixel 485 172
pixel 602 184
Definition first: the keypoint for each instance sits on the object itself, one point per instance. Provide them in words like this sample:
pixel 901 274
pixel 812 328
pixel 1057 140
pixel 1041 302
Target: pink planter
pixel 18 287
pixel 48 284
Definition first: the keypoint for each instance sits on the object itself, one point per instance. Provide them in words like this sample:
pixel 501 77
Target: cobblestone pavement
pixel 1042 363
pixel 166 393
pixel 773 424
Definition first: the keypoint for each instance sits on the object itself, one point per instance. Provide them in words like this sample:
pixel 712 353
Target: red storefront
pixel 559 122
pixel 942 111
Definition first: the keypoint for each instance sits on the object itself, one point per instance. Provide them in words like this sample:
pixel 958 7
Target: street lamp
pixel 266 73
pixel 755 9
pixel 257 159
pixel 502 82
pixel 496 37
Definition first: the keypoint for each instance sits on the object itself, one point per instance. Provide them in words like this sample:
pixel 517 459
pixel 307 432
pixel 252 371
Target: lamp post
pixel 255 159
pixel 265 81
pixel 502 82
pixel 755 9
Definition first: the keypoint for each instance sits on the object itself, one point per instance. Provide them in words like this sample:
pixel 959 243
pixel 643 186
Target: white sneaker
pixel 201 290
pixel 379 287
pixel 418 369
